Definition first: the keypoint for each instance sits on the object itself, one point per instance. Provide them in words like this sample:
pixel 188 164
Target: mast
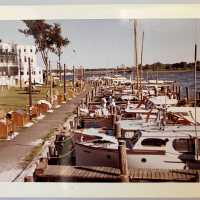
pixel 141 62
pixel 195 102
pixel 156 73
pixel 135 53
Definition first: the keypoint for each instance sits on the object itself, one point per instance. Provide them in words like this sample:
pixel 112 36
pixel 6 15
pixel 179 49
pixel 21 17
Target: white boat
pixel 163 150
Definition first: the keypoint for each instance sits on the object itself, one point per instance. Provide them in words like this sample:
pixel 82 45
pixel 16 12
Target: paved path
pixel 13 152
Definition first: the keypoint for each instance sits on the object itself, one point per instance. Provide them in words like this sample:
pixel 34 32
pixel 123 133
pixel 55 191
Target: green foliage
pixel 47 38
pixel 183 66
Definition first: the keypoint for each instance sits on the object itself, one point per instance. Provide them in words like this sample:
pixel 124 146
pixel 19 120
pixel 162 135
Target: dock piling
pixel 123 164
pixel 117 130
pixel 187 93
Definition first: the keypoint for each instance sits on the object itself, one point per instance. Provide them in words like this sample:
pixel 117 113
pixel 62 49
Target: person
pixel 112 106
pixel 109 100
pixel 113 103
pixel 103 101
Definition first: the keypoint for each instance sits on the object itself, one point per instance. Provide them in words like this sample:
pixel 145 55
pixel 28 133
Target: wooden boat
pixel 164 150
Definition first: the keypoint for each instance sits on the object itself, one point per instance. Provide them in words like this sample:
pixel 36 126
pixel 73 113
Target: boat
pixel 167 149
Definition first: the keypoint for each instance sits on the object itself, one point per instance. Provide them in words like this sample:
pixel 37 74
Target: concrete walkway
pixel 13 152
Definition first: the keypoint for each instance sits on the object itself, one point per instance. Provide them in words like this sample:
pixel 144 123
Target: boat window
pixel 154 142
pixel 102 142
pixel 183 145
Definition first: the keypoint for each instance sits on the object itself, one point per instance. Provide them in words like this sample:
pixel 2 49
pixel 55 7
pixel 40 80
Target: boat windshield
pixel 130 142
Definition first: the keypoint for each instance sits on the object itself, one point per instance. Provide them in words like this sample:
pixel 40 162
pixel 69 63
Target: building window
pixel 25 59
pixel 31 50
pixel 1 59
pixel 39 72
pixel 27 73
pixel 24 50
pixel 32 60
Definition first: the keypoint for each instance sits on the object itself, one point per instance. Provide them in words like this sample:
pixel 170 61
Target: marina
pixel 151 139
pixel 102 121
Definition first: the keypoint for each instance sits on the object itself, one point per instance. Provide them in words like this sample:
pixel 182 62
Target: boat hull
pixel 95 156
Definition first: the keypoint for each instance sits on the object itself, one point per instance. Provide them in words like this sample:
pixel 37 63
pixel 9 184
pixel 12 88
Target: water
pixel 184 79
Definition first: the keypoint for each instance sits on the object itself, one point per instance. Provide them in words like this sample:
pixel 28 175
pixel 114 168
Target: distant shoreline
pixel 170 71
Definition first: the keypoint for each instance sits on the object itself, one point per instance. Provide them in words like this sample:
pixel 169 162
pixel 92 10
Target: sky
pixel 108 43
pixel 33 2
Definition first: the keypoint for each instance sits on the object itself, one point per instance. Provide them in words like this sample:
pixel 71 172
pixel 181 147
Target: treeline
pixel 170 67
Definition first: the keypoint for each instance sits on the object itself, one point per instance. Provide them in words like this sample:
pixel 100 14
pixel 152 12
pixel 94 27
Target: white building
pixel 14 57
pixel 25 53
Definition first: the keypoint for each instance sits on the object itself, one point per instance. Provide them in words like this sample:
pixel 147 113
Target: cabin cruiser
pixel 158 149
pixel 149 143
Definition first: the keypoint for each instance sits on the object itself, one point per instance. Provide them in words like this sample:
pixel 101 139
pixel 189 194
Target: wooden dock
pixel 61 173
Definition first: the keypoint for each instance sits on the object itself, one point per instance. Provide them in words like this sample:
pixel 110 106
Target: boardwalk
pixel 12 153
pixel 58 173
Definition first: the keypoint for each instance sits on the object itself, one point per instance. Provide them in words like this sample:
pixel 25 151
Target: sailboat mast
pixel 195 103
pixel 135 53
pixel 141 61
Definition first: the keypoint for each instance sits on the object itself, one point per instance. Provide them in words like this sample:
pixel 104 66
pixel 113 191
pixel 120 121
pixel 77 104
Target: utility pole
pixel 60 70
pixel 30 88
pixel 65 91
pixel 51 92
pixel 20 68
pixel 74 77
pixel 47 70
pixel 7 59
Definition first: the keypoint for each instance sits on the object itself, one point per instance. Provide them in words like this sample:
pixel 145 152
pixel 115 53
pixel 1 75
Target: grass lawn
pixel 15 98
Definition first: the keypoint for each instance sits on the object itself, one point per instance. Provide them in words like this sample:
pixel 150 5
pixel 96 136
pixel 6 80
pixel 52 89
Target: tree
pixel 59 42
pixel 41 33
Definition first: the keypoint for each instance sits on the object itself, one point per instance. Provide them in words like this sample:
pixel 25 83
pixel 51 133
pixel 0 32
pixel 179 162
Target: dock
pixel 61 173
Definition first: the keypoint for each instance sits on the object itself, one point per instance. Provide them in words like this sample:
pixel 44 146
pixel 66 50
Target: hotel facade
pixel 13 59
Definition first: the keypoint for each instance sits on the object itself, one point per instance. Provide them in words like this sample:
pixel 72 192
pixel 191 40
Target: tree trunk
pixel 59 67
